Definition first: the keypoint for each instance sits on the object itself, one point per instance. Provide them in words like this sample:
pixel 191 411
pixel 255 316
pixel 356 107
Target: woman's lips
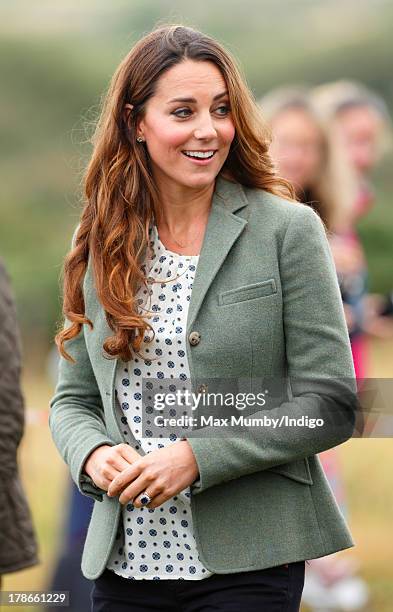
pixel 198 160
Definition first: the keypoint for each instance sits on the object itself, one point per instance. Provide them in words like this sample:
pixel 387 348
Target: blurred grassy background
pixel 56 60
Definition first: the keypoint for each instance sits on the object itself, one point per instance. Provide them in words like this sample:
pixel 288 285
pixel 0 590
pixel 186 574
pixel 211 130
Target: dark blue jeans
pixel 276 589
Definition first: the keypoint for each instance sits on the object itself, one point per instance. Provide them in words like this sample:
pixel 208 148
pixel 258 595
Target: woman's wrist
pixel 88 467
pixel 192 457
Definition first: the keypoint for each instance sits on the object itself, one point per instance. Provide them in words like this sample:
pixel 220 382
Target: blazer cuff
pixel 83 481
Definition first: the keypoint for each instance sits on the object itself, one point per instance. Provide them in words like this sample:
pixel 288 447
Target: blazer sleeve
pixel 319 366
pixel 76 413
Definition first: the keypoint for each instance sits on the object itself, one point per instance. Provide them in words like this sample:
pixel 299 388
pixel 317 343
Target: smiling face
pixel 188 126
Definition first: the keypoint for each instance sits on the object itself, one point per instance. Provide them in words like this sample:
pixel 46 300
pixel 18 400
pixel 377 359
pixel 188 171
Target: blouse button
pixel 194 338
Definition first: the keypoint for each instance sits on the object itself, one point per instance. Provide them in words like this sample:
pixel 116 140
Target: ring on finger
pixel 145 498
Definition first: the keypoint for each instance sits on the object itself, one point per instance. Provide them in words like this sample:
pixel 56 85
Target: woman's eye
pixel 181 110
pixel 225 108
pixel 182 113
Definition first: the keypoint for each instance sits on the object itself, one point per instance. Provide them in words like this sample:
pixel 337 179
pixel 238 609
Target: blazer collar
pixel 229 195
pixel 223 229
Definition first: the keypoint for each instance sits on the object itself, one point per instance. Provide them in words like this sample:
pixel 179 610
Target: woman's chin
pixel 198 182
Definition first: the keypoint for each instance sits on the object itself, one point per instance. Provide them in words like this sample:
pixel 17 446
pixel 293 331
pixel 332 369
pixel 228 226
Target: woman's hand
pixel 106 462
pixel 162 473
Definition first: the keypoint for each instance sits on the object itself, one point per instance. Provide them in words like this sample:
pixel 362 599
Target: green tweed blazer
pixel 265 303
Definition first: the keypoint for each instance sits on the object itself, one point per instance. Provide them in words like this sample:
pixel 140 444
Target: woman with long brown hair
pixel 193 266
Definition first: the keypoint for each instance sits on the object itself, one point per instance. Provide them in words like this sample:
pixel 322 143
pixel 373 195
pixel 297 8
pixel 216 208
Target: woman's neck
pixel 182 218
pixel 180 207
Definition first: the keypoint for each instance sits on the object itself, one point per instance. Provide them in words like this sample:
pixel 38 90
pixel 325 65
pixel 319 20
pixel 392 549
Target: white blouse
pixel 158 543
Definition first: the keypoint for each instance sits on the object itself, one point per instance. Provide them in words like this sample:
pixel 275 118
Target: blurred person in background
pixel 358 119
pixel 316 164
pixel 18 545
pixel 317 168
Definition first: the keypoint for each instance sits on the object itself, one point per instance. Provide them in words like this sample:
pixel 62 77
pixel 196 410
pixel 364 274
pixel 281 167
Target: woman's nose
pixel 205 128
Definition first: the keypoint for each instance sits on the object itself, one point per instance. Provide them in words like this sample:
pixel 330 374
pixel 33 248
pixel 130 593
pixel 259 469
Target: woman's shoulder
pixel 73 244
pixel 275 203
pixel 261 201
pixel 277 210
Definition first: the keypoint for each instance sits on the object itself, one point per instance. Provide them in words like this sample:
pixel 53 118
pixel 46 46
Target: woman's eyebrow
pixel 220 95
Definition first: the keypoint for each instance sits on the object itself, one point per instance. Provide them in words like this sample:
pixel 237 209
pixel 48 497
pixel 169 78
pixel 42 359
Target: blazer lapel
pixel 223 229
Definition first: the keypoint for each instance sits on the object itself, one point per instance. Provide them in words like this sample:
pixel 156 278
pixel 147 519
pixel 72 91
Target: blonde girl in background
pixel 358 119
pixel 315 164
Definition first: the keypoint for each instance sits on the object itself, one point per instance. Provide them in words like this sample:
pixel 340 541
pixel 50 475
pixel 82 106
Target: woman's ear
pixel 127 112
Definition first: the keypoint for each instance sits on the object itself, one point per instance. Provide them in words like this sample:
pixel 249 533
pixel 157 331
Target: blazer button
pixel 202 388
pixel 194 338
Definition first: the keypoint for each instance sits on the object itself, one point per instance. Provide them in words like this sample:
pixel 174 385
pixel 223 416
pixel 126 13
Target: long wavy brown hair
pixel 120 194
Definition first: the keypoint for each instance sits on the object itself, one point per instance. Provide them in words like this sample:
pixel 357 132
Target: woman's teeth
pixel 199 154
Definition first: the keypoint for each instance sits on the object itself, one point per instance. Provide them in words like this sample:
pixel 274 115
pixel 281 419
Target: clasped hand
pixel 163 473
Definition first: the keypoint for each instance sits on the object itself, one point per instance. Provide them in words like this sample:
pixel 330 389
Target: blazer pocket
pixel 248 292
pixel 298 470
